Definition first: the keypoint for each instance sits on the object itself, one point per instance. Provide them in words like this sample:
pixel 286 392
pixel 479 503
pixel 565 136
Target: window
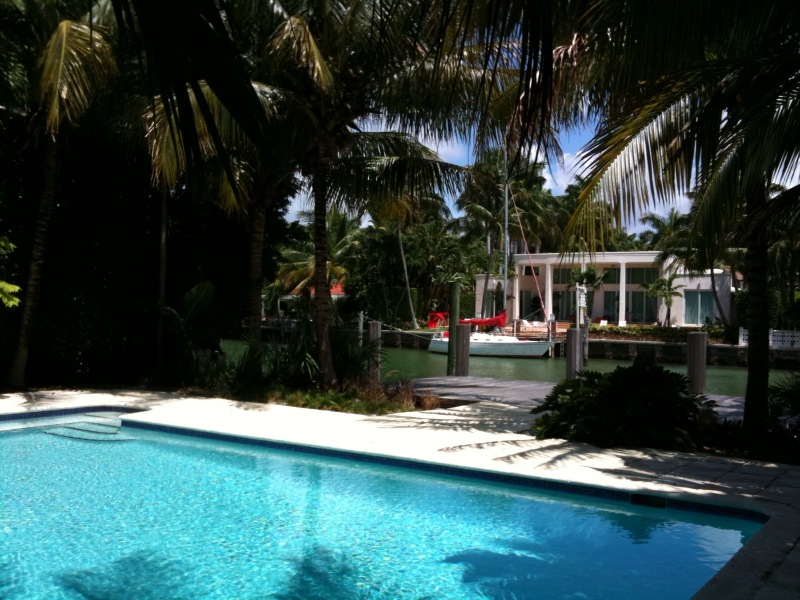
pixel 564 305
pixel 639 275
pixel 562 276
pixel 525 304
pixel 612 275
pixel 611 305
pixel 530 271
pixel 698 307
pixel 639 308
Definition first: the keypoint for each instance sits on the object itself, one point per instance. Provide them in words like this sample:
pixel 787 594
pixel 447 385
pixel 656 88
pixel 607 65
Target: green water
pixel 403 364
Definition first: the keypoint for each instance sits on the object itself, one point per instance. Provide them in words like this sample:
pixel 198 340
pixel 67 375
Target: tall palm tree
pixel 74 61
pixel 483 203
pixel 347 63
pixel 408 208
pixel 260 179
pixel 715 113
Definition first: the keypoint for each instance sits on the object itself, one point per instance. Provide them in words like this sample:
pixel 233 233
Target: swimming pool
pixel 168 516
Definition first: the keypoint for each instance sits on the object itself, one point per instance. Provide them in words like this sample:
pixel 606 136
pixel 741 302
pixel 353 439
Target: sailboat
pixel 489 344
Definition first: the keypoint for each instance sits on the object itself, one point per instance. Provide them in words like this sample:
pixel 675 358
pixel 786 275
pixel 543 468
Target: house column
pixel 548 291
pixel 622 303
pixel 514 312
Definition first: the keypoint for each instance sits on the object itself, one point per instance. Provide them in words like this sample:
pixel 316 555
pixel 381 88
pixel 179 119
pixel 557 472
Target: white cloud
pixel 559 176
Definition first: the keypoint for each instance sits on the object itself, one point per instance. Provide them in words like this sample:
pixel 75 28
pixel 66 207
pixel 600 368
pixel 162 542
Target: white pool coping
pixel 484 436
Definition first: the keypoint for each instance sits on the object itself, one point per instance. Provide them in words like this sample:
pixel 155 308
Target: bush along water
pixel 642 405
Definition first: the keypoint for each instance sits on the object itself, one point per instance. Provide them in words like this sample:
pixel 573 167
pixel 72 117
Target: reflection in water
pixel 403 364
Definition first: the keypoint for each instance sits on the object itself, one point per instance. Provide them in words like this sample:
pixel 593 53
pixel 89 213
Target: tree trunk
pixel 30 303
pixel 323 306
pixel 255 304
pixel 162 281
pixel 414 324
pixel 756 407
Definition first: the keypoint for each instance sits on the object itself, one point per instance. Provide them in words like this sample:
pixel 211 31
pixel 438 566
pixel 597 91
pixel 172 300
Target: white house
pixel 541 285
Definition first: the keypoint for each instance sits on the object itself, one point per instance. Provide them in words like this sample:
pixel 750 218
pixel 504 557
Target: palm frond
pixel 76 62
pixel 296 40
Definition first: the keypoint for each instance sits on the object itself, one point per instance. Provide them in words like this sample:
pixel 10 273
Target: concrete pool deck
pixel 486 436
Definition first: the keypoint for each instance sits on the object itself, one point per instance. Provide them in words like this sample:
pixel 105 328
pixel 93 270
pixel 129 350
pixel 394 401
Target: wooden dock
pixel 528 393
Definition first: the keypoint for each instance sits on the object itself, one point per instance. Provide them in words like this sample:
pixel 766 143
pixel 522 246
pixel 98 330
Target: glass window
pixel 612 275
pixel 564 305
pixel 698 307
pixel 563 276
pixel 639 308
pixel 639 275
pixel 611 305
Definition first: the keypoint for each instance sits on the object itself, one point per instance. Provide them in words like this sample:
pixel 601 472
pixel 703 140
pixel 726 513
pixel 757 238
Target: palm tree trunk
pixel 756 407
pixel 255 288
pixel 323 306
pixel 162 281
pixel 414 324
pixel 30 304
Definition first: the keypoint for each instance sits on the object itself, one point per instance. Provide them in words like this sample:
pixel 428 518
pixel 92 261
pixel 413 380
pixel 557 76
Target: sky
pixel 557 177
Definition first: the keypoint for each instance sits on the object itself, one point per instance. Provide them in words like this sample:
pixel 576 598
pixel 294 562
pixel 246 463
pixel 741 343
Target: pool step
pixel 96 432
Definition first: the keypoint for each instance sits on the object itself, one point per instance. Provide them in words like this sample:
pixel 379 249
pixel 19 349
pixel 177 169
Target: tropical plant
pixel 246 180
pixel 351 62
pixel 666 289
pixel 642 406
pixel 73 63
pixel 8 291
pixel 715 116
pixel 499 193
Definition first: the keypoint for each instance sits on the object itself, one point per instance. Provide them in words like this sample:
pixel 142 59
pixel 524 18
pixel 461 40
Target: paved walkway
pixel 485 436
pixel 529 393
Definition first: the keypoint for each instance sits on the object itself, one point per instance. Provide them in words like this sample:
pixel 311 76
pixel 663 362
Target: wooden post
pixel 455 292
pixel 375 359
pixel 696 346
pixel 574 352
pixel 462 350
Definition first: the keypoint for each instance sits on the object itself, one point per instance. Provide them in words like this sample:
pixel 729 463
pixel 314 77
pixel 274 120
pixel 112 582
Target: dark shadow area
pixel 140 576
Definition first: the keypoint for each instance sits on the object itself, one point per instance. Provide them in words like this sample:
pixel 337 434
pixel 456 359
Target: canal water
pixel 401 364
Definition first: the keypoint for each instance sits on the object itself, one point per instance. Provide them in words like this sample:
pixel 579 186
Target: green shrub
pixel 784 396
pixel 642 405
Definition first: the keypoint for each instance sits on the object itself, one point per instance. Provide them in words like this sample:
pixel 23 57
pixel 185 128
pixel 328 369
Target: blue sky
pixel 557 176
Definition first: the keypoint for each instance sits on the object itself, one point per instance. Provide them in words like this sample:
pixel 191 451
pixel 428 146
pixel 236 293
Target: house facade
pixel 540 285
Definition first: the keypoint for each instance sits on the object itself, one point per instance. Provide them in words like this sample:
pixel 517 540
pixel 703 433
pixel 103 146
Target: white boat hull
pixel 482 344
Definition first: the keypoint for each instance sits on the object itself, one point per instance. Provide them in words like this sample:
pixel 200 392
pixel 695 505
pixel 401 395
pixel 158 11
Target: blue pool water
pixel 165 516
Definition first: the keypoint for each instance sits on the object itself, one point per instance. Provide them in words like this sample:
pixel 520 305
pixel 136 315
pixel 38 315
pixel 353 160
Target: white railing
pixel 778 338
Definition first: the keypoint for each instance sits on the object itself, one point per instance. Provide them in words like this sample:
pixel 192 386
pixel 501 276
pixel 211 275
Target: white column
pixel 622 283
pixel 548 291
pixel 514 312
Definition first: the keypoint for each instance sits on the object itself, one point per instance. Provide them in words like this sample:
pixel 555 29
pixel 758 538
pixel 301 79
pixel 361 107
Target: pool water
pixel 165 516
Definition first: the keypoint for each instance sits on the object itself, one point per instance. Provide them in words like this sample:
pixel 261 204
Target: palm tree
pixel 260 180
pixel 347 63
pixel 714 113
pixel 666 289
pixel 296 273
pixel 74 63
pixel 483 202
